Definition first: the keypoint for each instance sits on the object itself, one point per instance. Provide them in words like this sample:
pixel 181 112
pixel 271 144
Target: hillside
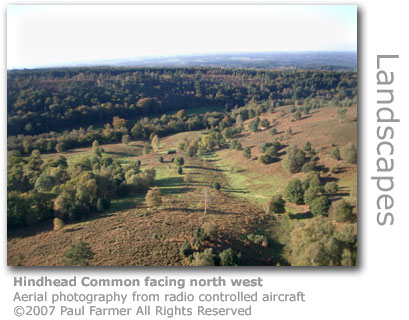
pixel 131 232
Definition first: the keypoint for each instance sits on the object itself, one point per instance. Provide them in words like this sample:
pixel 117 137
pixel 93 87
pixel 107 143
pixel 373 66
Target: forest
pixel 84 141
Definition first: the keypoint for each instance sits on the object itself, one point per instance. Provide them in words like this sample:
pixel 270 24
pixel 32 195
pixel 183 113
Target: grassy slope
pixel 130 234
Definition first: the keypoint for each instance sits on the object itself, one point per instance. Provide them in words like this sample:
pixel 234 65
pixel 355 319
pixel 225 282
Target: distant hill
pixel 266 60
pixel 339 61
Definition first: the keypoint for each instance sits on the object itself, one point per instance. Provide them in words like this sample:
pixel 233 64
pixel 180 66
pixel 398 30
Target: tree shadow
pixel 123 154
pixel 324 180
pixel 204 168
pixel 28 231
pixel 201 211
pixel 170 190
pixel 301 216
pixel 241 135
pixel 169 182
pixel 322 168
pixel 72 229
pixel 341 170
pixel 231 190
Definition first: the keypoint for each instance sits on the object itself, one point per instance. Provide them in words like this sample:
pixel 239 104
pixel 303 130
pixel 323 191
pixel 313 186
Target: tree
pixel 155 143
pixel 58 224
pixel 331 187
pixel 153 198
pixel 349 153
pixel 320 206
pixel 118 122
pixel 227 133
pixel 342 211
pixel 228 257
pixel 273 131
pixel 247 153
pixel 60 147
pixel 160 159
pixel 179 161
pixel 276 204
pixel 205 258
pixel 265 159
pixel 181 114
pixel 186 250
pixel 294 159
pixel 100 205
pixel 313 243
pixel 79 254
pixel 311 193
pixel 335 154
pixel 294 191
pixel 297 115
pixel 180 170
pixel 253 126
pixel 265 123
pixel 209 231
pixel 126 139
pixel 216 185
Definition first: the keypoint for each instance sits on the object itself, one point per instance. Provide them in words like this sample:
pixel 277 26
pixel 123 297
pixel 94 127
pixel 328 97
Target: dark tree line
pixel 40 101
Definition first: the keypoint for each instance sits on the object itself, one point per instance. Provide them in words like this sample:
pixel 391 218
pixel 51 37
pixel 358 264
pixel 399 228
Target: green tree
pixel 331 187
pixel 297 115
pixel 265 123
pixel 273 131
pixel 155 142
pixel 247 153
pixel 126 139
pixel 294 159
pixel 320 206
pixel 205 258
pixel 311 193
pixel 349 153
pixel 276 204
pixel 313 243
pixel 335 154
pixel 294 191
pixel 228 257
pixel 342 211
pixel 179 161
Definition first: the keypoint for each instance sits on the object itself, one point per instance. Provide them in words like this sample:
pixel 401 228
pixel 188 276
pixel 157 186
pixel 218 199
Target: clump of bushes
pixel 202 259
pixel 228 257
pixel 153 197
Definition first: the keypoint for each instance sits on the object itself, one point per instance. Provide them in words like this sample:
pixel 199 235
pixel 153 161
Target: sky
pixel 57 35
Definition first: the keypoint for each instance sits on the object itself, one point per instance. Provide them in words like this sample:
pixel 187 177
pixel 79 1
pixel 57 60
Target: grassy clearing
pixel 199 110
pixel 246 184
